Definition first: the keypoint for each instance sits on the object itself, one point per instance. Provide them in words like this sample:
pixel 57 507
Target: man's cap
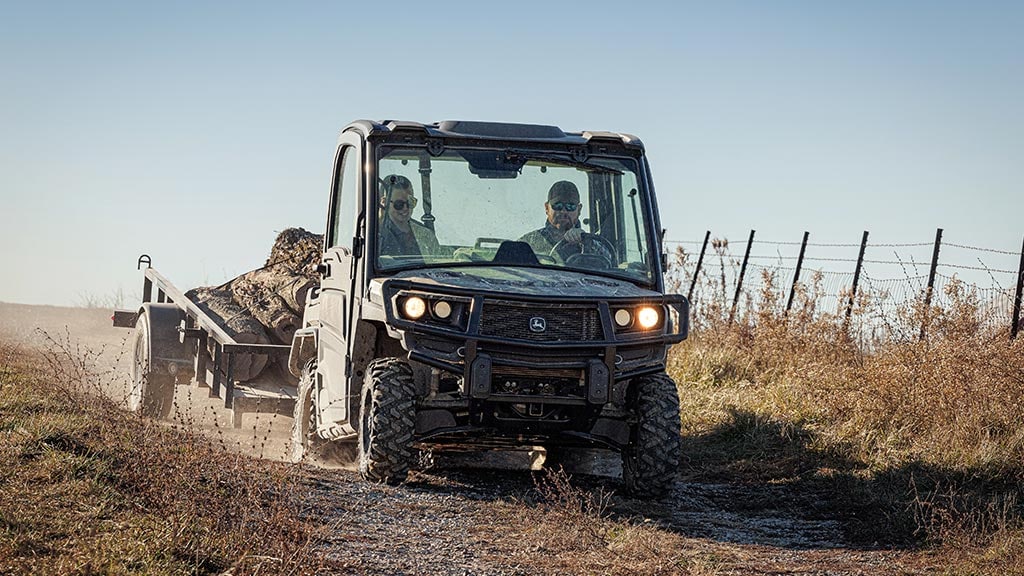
pixel 563 190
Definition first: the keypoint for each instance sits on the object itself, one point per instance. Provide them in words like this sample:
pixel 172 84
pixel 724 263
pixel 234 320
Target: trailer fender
pixel 304 345
pixel 165 339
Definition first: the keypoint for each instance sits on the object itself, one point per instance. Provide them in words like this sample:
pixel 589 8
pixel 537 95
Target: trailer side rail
pixel 201 327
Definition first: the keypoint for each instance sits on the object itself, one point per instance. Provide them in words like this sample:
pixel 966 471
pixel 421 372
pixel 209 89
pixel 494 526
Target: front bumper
pixel 489 341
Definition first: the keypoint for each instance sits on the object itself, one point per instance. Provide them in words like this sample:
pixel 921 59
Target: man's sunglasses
pixel 403 204
pixel 565 206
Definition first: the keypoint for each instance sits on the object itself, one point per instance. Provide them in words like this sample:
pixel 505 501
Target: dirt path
pixel 442 521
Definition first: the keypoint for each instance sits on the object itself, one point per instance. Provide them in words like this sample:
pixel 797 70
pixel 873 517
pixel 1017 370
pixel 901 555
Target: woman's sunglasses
pixel 403 204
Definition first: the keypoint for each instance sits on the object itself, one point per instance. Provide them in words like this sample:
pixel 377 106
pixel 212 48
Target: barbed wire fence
pixel 726 278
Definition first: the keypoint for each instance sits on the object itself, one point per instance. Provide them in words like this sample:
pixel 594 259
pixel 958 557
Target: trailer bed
pixel 214 353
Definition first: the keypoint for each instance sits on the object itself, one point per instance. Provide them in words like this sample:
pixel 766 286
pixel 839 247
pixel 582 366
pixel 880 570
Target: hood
pixel 526 282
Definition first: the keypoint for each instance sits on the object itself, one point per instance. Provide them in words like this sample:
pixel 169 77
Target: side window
pixel 343 221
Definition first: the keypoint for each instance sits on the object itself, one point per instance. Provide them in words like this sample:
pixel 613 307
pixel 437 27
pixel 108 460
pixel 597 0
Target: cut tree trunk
pixel 239 324
pixel 296 250
pixel 266 305
pixel 260 292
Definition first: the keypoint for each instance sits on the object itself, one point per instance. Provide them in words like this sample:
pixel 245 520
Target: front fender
pixel 304 345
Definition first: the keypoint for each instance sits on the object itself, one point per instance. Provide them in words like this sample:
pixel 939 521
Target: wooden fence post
pixel 700 261
pixel 796 275
pixel 931 281
pixel 739 281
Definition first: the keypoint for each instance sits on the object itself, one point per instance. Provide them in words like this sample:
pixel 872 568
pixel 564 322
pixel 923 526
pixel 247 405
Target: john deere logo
pixel 538 324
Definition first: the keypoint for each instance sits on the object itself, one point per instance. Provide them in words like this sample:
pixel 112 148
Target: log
pixel 257 285
pixel 266 305
pixel 257 293
pixel 295 292
pixel 296 250
pixel 239 324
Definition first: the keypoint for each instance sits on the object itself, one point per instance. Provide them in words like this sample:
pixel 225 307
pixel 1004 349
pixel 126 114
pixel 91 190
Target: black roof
pixel 493 130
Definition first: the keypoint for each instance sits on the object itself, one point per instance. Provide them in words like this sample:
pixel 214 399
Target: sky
pixel 195 131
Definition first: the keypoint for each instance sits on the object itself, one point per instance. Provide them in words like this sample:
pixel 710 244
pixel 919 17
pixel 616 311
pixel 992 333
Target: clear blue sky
pixel 195 131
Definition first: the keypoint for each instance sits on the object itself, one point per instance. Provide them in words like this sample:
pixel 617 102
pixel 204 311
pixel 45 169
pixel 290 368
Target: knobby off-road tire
pixel 151 392
pixel 305 443
pixel 387 419
pixel 650 462
pixel 304 439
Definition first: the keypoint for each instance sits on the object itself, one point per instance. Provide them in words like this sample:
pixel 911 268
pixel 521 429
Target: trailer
pixel 177 343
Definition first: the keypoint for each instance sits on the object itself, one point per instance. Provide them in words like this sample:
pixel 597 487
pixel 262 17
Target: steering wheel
pixel 594 252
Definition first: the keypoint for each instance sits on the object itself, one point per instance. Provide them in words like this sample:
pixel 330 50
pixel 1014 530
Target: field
pixel 807 451
pixel 912 420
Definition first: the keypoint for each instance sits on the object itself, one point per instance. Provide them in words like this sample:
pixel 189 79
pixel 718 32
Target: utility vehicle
pixel 478 340
pixel 483 341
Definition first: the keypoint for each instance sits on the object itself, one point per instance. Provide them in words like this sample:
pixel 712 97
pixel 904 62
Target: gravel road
pixel 442 520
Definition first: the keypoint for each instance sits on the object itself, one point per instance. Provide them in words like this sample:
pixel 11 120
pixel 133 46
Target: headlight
pixel 442 309
pixel 414 307
pixel 623 317
pixel 647 317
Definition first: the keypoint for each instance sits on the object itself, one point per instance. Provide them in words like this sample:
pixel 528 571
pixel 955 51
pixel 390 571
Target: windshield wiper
pixel 521 156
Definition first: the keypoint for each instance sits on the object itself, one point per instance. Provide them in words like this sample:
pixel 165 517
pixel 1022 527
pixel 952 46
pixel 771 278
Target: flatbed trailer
pixel 178 343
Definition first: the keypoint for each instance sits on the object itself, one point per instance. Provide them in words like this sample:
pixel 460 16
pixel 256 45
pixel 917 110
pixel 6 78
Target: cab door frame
pixel 333 387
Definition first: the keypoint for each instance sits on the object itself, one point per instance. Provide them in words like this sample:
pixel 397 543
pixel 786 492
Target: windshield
pixel 511 207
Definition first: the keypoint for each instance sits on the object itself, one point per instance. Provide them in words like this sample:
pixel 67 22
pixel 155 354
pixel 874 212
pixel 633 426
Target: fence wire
pixel 893 279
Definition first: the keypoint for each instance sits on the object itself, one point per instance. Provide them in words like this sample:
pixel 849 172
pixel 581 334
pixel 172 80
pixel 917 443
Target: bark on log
pixel 254 286
pixel 295 292
pixel 239 324
pixel 257 292
pixel 266 305
pixel 296 250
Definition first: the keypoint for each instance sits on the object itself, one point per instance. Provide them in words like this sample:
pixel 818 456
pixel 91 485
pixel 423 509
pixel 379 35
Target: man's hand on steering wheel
pixel 573 236
pixel 588 250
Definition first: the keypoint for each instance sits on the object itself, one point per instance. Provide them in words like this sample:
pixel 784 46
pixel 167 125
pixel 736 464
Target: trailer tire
pixel 152 391
pixel 306 444
pixel 387 421
pixel 651 460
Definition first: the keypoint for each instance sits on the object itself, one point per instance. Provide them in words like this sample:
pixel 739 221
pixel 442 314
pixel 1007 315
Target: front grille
pixel 561 323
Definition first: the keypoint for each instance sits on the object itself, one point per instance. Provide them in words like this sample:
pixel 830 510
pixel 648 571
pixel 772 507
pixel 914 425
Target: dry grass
pixel 922 439
pixel 88 488
pixel 562 528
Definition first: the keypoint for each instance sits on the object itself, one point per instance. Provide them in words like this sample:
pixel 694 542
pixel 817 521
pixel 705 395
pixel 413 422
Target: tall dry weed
pixel 932 395
pixel 90 488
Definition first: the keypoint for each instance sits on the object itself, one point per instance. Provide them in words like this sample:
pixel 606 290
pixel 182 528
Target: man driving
pixel 563 223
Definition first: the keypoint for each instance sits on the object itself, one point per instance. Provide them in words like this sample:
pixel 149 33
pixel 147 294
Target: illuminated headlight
pixel 442 309
pixel 414 307
pixel 623 317
pixel 648 317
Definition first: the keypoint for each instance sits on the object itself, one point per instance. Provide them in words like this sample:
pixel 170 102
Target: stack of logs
pixel 265 306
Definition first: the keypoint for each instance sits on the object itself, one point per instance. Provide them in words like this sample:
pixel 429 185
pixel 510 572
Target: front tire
pixel 151 393
pixel 387 421
pixel 651 460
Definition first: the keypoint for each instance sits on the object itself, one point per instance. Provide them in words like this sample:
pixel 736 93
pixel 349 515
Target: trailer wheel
pixel 152 391
pixel 387 421
pixel 651 460
pixel 306 444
